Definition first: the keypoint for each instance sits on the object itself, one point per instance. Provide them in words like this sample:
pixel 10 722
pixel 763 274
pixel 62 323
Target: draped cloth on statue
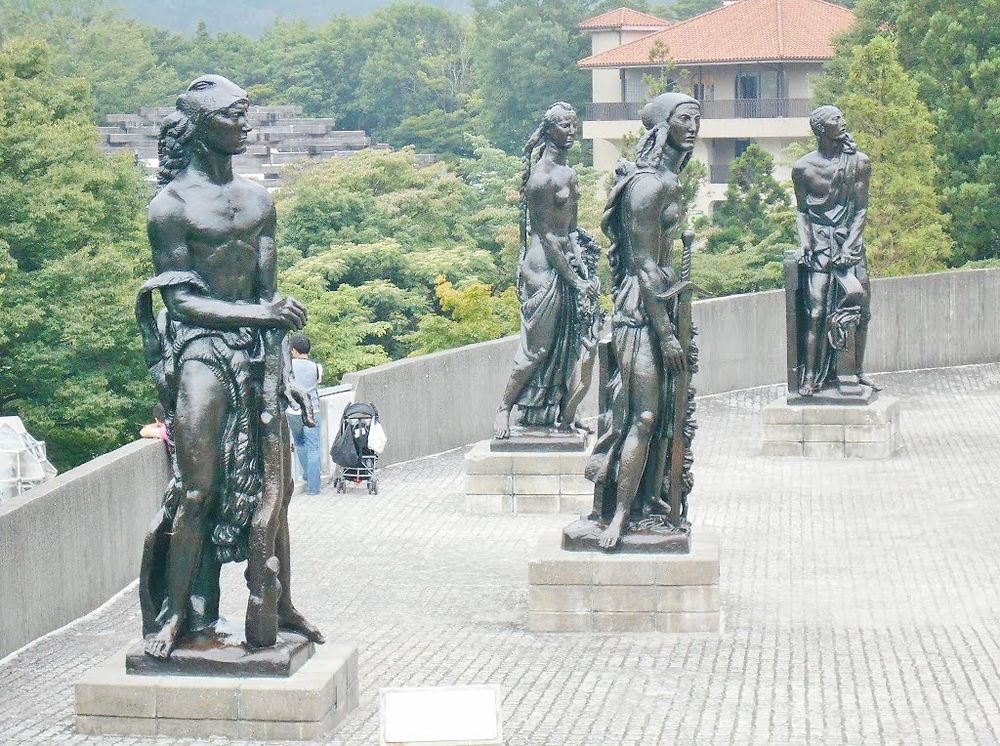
pixel 235 357
pixel 548 332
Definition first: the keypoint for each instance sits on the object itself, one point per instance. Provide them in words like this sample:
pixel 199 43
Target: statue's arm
pixel 540 209
pixel 802 223
pixel 853 244
pixel 167 230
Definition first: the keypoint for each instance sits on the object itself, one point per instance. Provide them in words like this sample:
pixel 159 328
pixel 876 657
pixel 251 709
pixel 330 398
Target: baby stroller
pixel 351 451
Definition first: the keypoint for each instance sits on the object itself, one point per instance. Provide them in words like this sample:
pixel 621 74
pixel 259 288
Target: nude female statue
pixel 212 352
pixel 644 210
pixel 557 284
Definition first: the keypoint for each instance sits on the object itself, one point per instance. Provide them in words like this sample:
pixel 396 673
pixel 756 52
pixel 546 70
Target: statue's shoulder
pixel 809 159
pixel 254 192
pixel 864 161
pixel 167 204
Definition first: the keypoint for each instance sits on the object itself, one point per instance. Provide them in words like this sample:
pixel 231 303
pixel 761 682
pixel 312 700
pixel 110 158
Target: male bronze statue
pixel 641 464
pixel 827 282
pixel 218 356
pixel 558 288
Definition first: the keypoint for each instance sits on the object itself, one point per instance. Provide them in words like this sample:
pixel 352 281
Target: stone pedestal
pixel 526 481
pixel 832 430
pixel 308 705
pixel 598 592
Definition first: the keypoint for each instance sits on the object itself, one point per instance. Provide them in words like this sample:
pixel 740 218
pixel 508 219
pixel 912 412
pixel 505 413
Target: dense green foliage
pixel 906 229
pixel 749 232
pixel 70 357
pixel 393 259
pixel 952 50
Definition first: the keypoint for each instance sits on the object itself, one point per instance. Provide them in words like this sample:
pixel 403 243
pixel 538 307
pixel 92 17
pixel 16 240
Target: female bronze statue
pixel 216 356
pixel 643 450
pixel 557 285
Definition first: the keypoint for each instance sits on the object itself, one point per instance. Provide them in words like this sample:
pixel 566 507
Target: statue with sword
pixel 641 464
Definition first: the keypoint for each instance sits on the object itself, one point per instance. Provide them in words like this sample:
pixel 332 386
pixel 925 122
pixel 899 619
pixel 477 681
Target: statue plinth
pixel 823 426
pixel 526 481
pixel 621 592
pixel 307 705
pixel 540 439
pixel 221 650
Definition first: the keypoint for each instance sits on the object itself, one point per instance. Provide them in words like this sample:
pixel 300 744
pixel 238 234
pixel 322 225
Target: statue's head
pixel 211 115
pixel 670 119
pixel 558 128
pixel 827 123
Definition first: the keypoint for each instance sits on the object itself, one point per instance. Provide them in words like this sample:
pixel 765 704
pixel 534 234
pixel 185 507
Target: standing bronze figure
pixel 827 282
pixel 557 285
pixel 641 465
pixel 220 362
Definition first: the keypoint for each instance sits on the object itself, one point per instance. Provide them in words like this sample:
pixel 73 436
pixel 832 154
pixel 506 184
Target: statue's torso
pixel 553 193
pixel 224 224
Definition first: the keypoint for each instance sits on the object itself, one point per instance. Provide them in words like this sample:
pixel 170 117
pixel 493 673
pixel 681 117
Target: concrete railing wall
pixel 436 402
pixel 69 545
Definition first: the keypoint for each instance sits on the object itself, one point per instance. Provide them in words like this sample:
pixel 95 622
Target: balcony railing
pixel 743 108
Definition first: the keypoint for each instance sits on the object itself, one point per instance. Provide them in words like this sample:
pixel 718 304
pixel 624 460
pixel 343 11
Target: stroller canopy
pixel 362 409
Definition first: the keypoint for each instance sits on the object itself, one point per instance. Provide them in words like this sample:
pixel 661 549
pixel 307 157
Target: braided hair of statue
pixel 174 145
pixel 539 140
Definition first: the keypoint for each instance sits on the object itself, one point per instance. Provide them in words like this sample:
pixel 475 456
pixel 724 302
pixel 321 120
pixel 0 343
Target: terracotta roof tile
pixel 745 31
pixel 623 18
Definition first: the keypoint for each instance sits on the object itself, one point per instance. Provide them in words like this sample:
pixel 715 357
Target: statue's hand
pixel 805 255
pixel 287 313
pixel 300 397
pixel 673 354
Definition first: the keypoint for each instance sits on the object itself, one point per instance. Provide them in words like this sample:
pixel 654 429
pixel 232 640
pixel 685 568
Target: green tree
pixel 872 18
pixel 73 256
pixel 952 50
pixel 906 231
pixel 754 201
pixel 526 53
pixel 472 313
pixel 681 10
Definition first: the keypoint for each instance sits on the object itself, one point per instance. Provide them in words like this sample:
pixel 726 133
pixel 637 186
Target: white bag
pixel 377 438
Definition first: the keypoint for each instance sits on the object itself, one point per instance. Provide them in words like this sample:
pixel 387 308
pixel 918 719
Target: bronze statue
pixel 557 285
pixel 218 356
pixel 827 282
pixel 641 465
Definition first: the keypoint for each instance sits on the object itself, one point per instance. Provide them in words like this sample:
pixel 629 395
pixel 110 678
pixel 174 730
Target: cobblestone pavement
pixel 861 599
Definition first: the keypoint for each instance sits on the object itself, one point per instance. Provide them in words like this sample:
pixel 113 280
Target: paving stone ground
pixel 861 599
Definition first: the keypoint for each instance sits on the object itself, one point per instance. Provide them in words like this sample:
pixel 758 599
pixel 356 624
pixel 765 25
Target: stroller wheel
pixel 372 487
pixel 341 486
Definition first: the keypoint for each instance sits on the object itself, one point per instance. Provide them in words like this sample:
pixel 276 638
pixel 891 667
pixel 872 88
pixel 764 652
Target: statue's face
pixel 684 123
pixel 835 128
pixel 562 134
pixel 225 131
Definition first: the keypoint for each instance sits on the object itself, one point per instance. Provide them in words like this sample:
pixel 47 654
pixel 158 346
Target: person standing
pixel 307 374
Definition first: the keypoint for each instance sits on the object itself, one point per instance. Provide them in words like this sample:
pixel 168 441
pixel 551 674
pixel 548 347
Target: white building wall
pixel 606 85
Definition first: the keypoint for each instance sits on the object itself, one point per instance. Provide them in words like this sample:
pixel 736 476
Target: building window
pixel 741 145
pixel 704 91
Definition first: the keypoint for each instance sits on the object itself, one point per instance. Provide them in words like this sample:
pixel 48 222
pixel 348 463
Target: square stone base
pixel 526 481
pixel 831 430
pixel 598 592
pixel 308 705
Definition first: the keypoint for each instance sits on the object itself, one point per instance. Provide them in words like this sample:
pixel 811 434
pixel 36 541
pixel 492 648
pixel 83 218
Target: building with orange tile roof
pixel 750 63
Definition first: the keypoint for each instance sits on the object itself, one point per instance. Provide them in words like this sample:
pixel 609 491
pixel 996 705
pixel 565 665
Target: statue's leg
pixel 198 427
pixel 815 296
pixel 642 375
pixel 289 618
pixel 861 333
pixel 525 363
pixel 579 384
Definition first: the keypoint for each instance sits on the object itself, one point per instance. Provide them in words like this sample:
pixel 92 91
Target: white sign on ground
pixel 441 716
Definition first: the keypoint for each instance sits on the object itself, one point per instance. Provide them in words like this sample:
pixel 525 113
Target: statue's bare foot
pixel 864 381
pixel 808 389
pixel 583 426
pixel 291 620
pixel 162 644
pixel 610 537
pixel 501 425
